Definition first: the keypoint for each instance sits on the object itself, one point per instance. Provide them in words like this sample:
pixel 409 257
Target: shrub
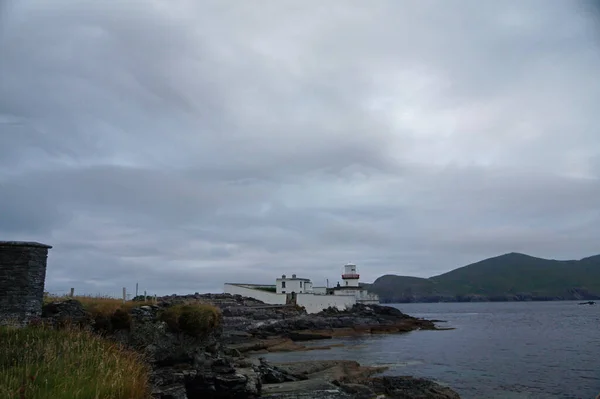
pixel 192 319
pixel 120 320
pixel 44 363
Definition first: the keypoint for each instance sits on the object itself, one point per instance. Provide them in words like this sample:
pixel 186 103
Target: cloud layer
pixel 182 144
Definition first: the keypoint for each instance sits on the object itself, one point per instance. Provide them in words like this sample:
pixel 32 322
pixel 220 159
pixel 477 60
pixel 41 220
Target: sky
pixel 182 144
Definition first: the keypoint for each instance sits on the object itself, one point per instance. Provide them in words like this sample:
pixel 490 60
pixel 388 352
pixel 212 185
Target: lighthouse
pixel 350 276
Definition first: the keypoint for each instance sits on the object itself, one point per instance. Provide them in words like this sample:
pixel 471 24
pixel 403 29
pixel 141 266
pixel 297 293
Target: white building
pixel 350 276
pixel 287 285
pixel 300 291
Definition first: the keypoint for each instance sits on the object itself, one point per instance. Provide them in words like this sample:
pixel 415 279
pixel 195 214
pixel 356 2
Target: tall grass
pixel 42 363
pixel 195 319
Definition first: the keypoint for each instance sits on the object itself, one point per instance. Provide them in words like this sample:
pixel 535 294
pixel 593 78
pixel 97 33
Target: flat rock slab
pixel 299 386
pixel 319 394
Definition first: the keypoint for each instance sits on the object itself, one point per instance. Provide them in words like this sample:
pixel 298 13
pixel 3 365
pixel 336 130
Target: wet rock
pixel 306 336
pixel 410 388
pixel 270 374
pixel 357 391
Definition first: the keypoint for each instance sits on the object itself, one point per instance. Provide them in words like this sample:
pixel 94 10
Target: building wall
pixel 22 279
pixel 346 292
pixel 368 301
pixel 350 268
pixel 316 303
pixel 351 282
pixel 311 302
pixel 292 285
pixel 267 297
pixel 319 290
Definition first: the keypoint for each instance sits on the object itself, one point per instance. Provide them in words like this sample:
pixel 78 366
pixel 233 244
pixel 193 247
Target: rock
pixel 175 391
pixel 65 312
pixel 360 319
pixel 357 391
pixel 186 367
pixel 307 336
pixel 270 374
pixel 410 388
pixel 347 379
pixel 316 394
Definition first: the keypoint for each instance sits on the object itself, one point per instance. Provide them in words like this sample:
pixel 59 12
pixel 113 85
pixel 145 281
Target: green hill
pixel 507 277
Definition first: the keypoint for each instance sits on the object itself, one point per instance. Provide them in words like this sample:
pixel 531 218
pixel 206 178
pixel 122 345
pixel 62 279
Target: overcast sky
pixel 184 144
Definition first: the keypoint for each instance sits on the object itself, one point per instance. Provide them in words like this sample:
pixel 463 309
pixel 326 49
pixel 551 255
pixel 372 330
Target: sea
pixel 498 350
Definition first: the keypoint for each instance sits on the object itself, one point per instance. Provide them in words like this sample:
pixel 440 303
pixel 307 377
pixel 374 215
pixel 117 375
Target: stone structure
pixel 22 277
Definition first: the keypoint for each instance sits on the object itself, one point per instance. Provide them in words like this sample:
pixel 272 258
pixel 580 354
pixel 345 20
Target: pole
pixel 72 294
pixel 124 294
pixel 136 289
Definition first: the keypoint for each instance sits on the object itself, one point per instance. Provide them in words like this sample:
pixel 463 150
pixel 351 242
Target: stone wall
pixel 22 277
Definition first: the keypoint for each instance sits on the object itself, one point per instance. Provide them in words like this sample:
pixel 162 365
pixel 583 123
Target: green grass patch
pixel 267 289
pixel 195 319
pixel 42 363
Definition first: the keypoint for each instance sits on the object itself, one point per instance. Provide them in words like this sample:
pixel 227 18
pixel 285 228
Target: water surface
pixel 525 350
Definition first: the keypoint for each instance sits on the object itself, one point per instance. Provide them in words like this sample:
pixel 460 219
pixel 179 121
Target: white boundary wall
pixel 267 297
pixel 311 302
pixel 316 303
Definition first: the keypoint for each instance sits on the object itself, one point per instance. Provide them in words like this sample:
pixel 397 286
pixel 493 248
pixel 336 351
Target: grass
pixel 195 319
pixel 42 363
pixel 267 289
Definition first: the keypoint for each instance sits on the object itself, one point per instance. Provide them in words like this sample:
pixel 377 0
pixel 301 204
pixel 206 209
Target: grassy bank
pixel 41 363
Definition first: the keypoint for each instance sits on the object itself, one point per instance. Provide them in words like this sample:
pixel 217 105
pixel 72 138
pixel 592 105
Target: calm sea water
pixel 524 350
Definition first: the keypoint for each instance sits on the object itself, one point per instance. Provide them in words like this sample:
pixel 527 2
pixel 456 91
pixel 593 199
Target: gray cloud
pixel 185 144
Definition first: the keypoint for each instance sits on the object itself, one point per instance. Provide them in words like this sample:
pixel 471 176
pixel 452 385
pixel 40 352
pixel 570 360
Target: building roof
pixel 293 278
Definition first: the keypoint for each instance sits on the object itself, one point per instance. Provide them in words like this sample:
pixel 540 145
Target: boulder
pixel 65 312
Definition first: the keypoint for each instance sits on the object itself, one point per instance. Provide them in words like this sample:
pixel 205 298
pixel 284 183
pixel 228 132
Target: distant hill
pixel 509 277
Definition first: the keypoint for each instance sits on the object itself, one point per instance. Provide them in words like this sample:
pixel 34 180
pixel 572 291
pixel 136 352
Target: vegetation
pixel 267 288
pixel 42 363
pixel 194 319
pixel 506 277
pixel 109 314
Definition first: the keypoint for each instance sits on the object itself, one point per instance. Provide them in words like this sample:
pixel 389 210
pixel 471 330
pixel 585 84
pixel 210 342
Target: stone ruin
pixel 22 278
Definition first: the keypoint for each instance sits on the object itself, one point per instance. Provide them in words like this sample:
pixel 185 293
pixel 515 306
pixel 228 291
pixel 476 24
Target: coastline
pixel 222 362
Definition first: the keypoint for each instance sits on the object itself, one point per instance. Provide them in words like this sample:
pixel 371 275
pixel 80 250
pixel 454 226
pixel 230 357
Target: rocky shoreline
pixel 216 365
pixel 250 326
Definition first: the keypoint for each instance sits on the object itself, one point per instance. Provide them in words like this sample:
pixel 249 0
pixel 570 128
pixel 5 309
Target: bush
pixel 192 319
pixel 43 363
pixel 120 320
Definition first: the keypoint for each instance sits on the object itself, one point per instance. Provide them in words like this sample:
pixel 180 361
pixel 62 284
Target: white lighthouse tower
pixel 350 275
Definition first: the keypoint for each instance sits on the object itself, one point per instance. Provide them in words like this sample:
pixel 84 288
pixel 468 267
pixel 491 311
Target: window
pixel 346 283
pixel 283 292
pixel 300 284
pixel 283 284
